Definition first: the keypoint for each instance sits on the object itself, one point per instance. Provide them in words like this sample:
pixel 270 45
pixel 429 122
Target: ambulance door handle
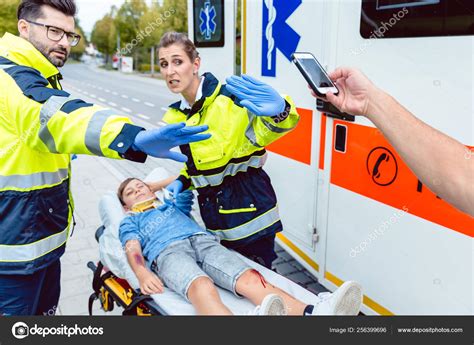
pixel 331 111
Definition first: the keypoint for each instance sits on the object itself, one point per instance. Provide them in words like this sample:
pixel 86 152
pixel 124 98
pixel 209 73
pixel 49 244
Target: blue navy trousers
pixel 32 294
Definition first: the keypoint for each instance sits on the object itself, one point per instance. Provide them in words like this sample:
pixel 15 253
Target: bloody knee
pixel 253 277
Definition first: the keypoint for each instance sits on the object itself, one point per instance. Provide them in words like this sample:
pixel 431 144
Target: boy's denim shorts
pixel 183 261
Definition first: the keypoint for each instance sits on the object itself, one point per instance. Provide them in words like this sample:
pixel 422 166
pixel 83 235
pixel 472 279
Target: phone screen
pixel 315 72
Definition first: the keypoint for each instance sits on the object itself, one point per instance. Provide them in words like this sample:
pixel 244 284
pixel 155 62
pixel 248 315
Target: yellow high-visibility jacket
pixel 236 197
pixel 40 126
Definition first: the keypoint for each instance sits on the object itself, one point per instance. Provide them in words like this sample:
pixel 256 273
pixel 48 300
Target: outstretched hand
pixel 158 142
pixel 258 97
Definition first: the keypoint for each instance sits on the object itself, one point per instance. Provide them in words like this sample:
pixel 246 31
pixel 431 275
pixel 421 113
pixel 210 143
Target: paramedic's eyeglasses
pixel 56 34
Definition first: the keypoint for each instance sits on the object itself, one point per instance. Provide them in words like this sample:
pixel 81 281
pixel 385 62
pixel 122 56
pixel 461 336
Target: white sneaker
pixel 271 305
pixel 346 300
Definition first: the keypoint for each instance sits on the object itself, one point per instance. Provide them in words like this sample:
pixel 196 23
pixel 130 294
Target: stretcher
pixel 115 283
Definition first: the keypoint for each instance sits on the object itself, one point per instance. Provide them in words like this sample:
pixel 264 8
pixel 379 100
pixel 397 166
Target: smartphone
pixel 314 73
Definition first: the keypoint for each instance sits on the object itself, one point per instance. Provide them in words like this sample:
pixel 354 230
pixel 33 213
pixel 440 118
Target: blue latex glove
pixel 158 142
pixel 175 187
pixel 260 98
pixel 184 201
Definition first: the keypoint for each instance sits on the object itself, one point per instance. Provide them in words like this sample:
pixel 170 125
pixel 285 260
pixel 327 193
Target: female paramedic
pixel 236 198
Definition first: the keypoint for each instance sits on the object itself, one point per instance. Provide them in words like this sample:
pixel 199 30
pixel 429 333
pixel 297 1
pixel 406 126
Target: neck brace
pixel 145 205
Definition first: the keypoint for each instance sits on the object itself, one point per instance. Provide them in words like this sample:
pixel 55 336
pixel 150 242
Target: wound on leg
pixel 262 278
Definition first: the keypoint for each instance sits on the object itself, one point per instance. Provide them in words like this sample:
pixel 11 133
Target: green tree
pixel 104 36
pixel 171 16
pixel 140 27
pixel 238 23
pixel 128 18
pixel 8 21
pixel 77 51
pixel 151 26
pixel 178 20
pixel 238 35
pixel 127 22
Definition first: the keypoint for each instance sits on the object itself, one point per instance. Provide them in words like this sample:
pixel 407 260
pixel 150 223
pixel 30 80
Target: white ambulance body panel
pixel 418 267
pixel 297 182
pixel 413 262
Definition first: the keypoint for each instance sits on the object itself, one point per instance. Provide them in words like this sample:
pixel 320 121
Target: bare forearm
pixel 149 281
pixel 135 257
pixel 443 164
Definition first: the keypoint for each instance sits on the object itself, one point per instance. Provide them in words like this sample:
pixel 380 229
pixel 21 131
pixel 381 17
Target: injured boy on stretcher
pixel 185 258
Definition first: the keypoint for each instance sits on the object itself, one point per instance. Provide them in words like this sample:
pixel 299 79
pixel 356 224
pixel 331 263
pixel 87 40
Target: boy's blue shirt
pixel 157 228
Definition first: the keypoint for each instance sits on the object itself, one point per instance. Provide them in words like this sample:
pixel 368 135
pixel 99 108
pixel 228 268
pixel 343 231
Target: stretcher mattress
pixel 169 302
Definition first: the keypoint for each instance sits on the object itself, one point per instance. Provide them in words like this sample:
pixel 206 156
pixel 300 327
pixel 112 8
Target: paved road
pixel 136 96
pixel 144 100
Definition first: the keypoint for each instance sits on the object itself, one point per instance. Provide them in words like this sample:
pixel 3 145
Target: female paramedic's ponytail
pixel 173 37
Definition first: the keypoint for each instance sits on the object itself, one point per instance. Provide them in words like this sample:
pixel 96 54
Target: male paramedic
pixel 40 126
pixel 190 261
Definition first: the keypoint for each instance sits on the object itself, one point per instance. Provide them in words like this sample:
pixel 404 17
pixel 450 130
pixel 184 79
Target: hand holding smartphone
pixel 314 74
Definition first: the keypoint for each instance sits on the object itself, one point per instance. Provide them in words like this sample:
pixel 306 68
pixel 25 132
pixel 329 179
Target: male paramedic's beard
pixel 48 52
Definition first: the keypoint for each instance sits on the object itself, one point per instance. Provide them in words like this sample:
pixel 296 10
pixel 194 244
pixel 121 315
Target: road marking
pixel 100 88
pixel 102 100
pixel 136 100
pixel 164 109
pixel 126 110
pixel 149 104
pixel 85 93
pixel 79 90
pixel 115 93
pixel 112 104
pixel 93 96
pixel 124 96
pixel 143 116
pixel 107 90
pixel 93 86
pixel 161 123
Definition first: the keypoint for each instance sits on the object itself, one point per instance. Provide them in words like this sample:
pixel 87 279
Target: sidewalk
pixel 90 179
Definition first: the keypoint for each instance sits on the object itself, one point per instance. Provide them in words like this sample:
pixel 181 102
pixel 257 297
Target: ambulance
pixel 351 208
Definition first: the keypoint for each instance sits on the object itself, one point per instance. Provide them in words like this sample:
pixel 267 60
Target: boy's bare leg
pixel 204 297
pixel 252 285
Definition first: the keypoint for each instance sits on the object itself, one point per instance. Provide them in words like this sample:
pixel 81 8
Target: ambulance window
pixel 208 17
pixel 416 18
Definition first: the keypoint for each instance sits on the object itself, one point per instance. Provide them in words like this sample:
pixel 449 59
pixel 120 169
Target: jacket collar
pixel 210 90
pixel 22 52
pixel 184 103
